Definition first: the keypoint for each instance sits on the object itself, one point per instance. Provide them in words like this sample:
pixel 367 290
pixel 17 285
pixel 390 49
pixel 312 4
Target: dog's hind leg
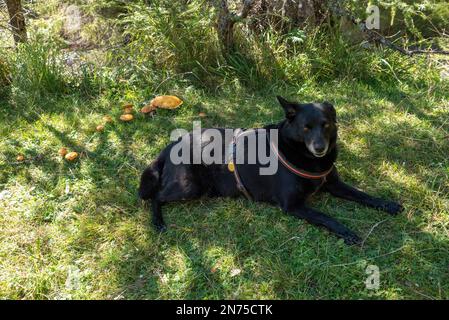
pixel 149 181
pixel 172 192
pixel 157 219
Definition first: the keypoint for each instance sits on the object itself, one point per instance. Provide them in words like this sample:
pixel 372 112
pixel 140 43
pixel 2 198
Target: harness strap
pixel 238 180
pixel 241 186
pixel 302 173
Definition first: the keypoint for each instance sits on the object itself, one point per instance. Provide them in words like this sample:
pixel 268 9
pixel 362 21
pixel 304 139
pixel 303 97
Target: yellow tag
pixel 231 166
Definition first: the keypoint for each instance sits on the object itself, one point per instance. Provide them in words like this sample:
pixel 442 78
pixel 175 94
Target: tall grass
pixel 37 71
pixel 4 74
pixel 171 38
pixel 173 43
pixel 180 41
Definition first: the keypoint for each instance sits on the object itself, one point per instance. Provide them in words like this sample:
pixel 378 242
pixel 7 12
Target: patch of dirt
pixel 74 21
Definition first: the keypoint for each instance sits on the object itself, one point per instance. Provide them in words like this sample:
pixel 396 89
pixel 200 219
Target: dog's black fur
pixel 307 138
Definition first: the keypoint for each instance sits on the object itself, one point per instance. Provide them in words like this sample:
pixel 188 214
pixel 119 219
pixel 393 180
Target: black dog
pixel 307 151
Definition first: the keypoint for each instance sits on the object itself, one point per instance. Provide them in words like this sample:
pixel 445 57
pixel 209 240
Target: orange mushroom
pixel 107 119
pixel 148 109
pixel 62 152
pixel 126 117
pixel 128 110
pixel 166 102
pixel 71 156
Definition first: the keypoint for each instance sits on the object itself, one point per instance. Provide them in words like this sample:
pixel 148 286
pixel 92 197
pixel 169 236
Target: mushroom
pixel 62 152
pixel 20 158
pixel 71 156
pixel 107 119
pixel 148 109
pixel 166 102
pixel 100 128
pixel 126 117
pixel 128 110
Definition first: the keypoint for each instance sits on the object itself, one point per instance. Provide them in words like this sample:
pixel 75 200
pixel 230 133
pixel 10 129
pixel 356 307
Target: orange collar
pixel 297 171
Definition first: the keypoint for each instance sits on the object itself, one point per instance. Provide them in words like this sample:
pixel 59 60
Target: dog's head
pixel 314 124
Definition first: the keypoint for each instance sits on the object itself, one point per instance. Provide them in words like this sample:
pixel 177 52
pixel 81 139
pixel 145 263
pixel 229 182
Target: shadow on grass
pixel 209 239
pixel 271 248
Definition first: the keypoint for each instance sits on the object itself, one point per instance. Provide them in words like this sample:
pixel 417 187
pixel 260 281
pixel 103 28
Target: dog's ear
pixel 331 110
pixel 290 108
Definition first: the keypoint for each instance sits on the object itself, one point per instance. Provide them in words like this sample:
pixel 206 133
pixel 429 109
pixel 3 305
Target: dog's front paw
pixel 350 238
pixel 159 226
pixel 392 208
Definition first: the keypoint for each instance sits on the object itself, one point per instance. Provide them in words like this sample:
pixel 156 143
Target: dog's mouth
pixel 319 155
pixel 316 153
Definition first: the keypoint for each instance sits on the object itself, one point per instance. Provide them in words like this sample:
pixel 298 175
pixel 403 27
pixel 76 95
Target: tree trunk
pixel 225 23
pixel 286 14
pixel 17 20
pixel 225 28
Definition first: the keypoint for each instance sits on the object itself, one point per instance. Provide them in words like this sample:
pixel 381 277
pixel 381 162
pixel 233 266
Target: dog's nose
pixel 319 148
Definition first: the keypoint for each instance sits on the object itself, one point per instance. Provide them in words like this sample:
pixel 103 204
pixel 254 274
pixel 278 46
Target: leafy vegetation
pixel 77 230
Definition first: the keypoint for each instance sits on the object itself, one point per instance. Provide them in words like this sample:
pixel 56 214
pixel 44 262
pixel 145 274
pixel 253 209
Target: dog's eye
pixel 326 125
pixel 306 128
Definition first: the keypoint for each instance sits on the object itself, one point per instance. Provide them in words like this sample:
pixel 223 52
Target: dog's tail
pixel 149 181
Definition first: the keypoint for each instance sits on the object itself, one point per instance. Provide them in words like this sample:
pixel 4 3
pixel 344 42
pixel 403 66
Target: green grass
pixel 77 230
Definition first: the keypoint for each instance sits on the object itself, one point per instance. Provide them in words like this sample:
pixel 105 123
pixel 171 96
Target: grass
pixel 76 230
